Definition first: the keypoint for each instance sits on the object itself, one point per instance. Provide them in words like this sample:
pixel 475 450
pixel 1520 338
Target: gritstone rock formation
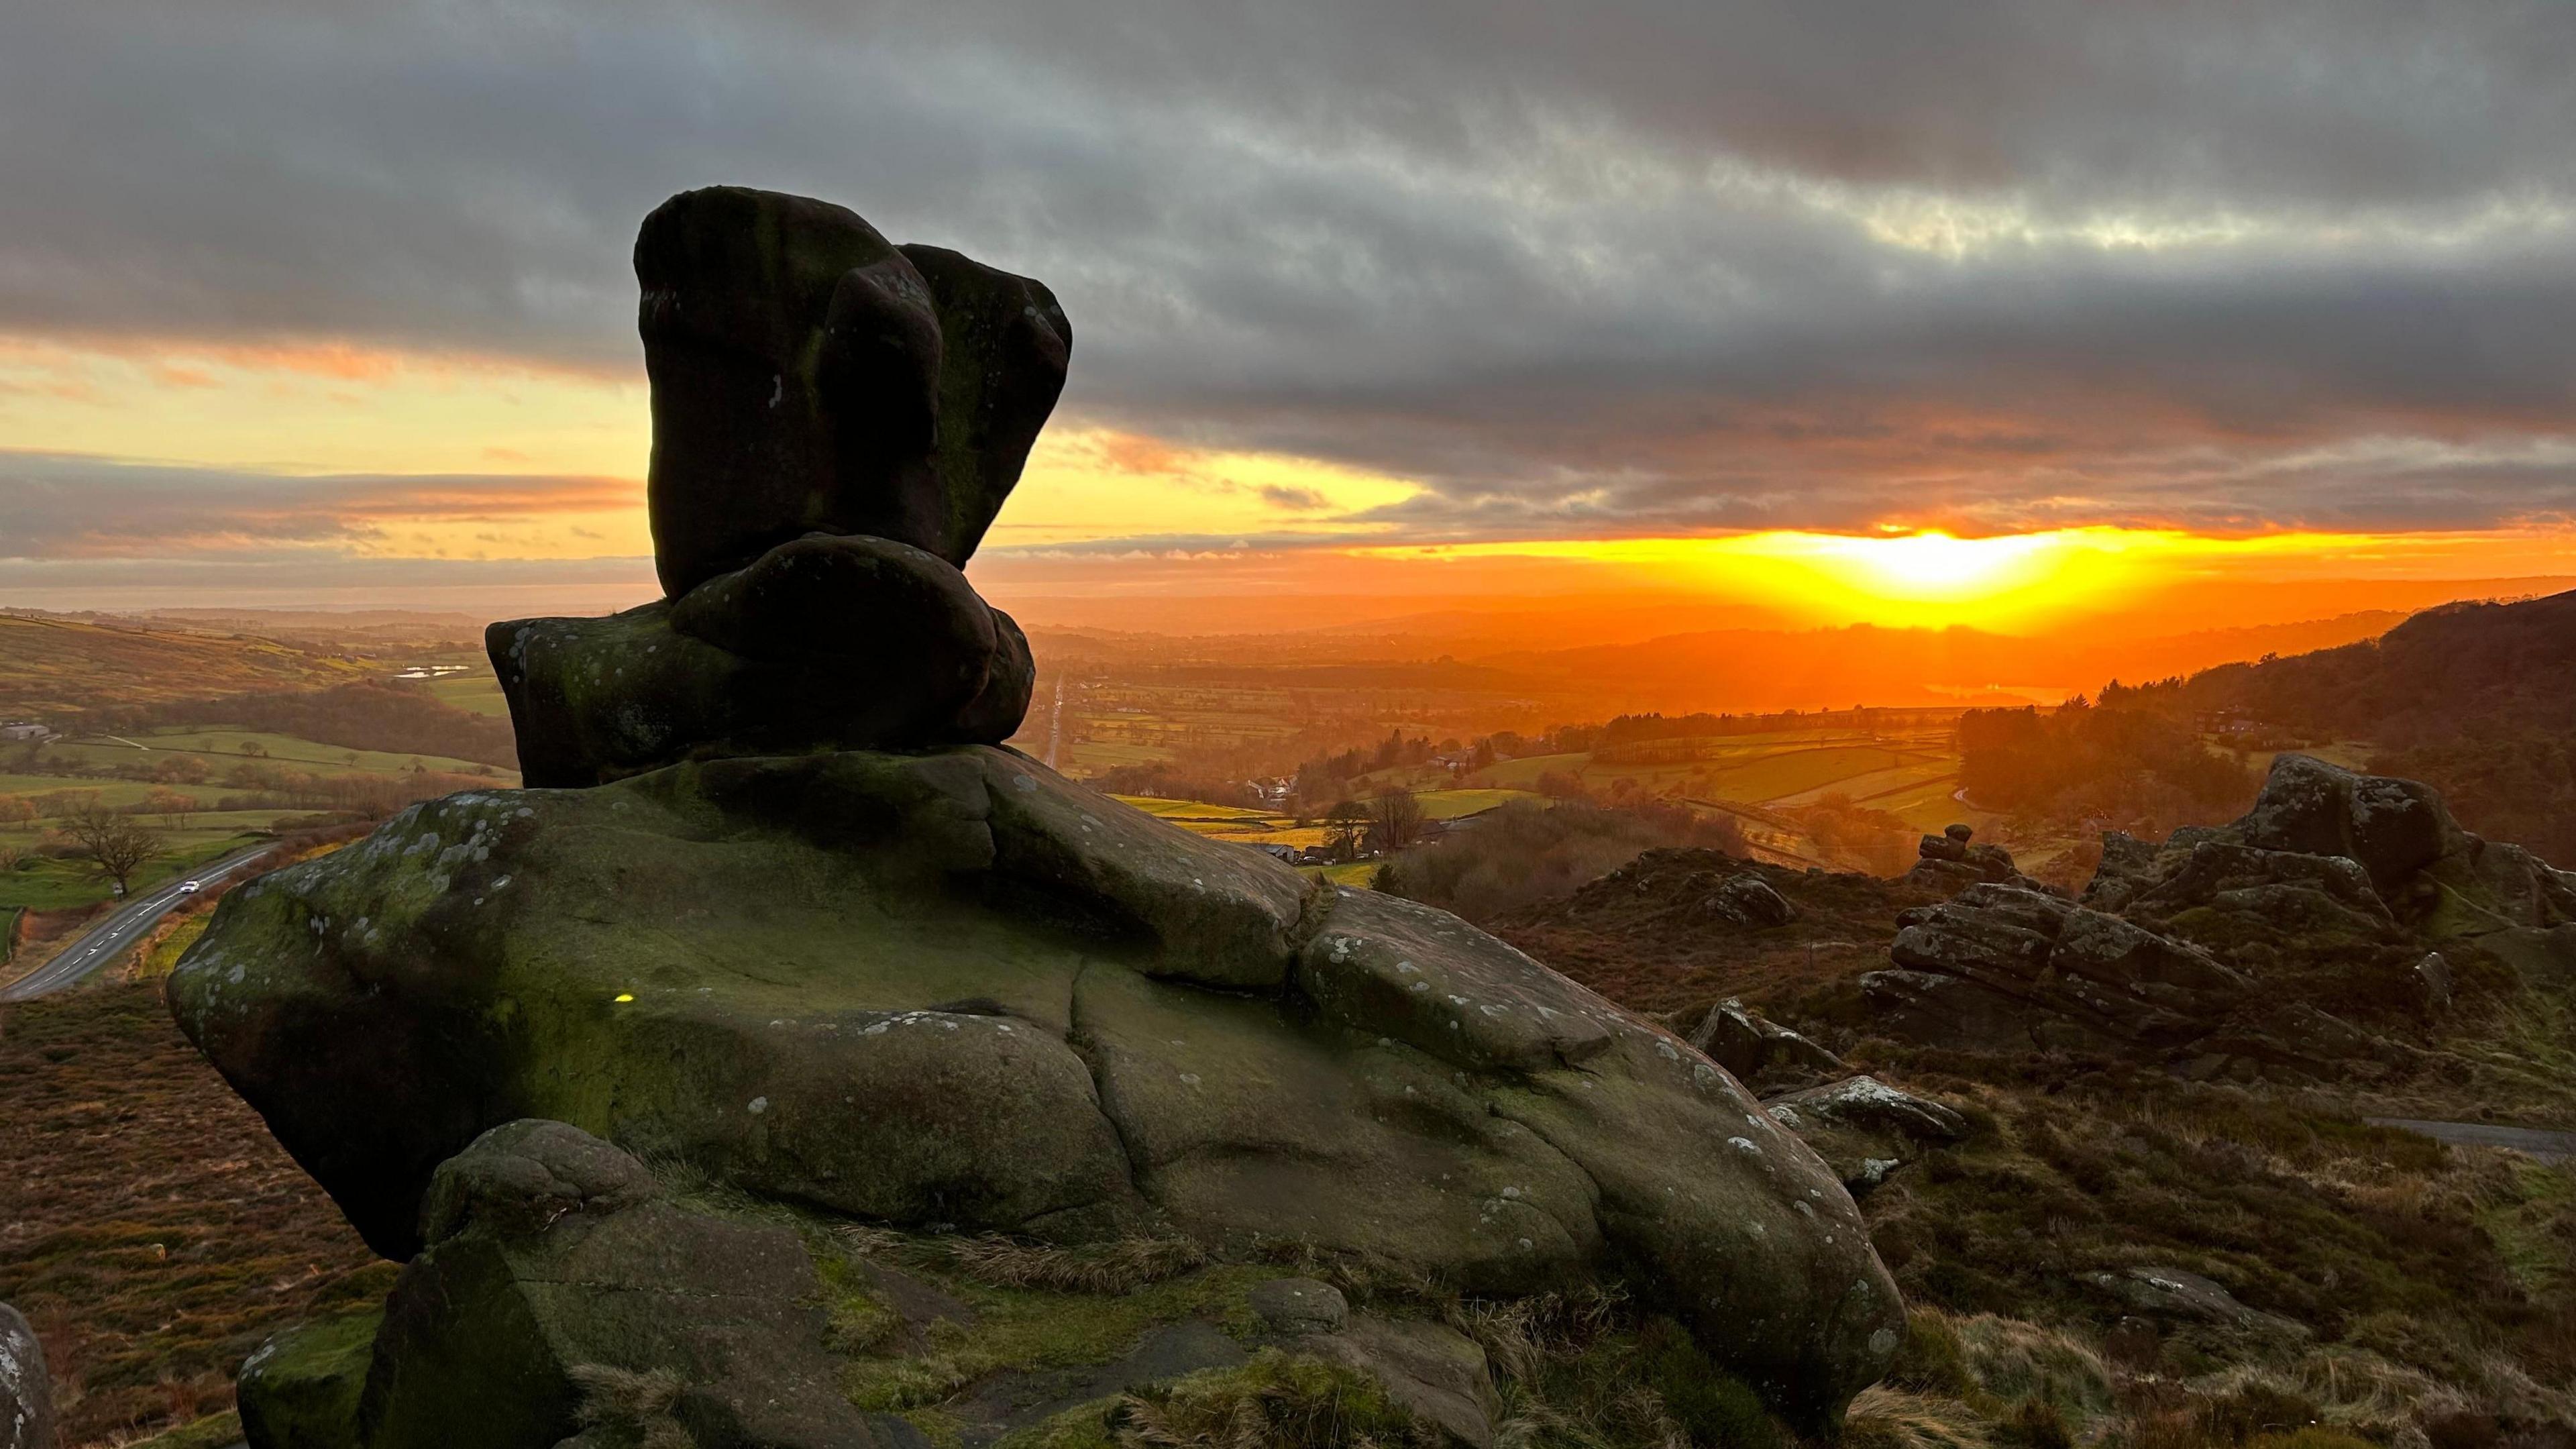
pixel 806 933
pixel 26 1391
pixel 2176 952
pixel 836 421
pixel 1948 863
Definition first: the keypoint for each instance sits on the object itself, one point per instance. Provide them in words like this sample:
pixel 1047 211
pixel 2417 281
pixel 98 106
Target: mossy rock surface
pixel 300 1389
pixel 954 990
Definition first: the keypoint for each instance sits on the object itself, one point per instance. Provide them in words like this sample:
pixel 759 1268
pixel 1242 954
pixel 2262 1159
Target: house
pixel 24 730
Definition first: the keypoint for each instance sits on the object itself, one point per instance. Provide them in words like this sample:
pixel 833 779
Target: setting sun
pixel 1935 565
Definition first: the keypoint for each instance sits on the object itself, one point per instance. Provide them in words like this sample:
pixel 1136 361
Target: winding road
pixel 122 928
pixel 2546 1145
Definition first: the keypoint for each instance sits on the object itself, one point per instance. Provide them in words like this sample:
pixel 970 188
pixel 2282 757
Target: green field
pixel 51 668
pixel 109 792
pixel 1156 805
pixel 42 884
pixel 474 688
pixel 1784 767
pixel 1357 874
pixel 1910 774
pixel 219 748
pixel 1454 804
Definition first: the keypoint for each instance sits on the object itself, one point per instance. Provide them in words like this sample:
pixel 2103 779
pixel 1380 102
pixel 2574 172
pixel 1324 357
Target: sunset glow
pixel 1673 311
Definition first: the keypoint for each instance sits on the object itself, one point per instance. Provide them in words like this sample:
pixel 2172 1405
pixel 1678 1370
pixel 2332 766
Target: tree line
pixel 393 716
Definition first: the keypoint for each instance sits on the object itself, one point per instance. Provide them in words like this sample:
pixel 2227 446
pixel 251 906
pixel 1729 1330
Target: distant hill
pixel 2477 700
pixel 373 630
pixel 1752 669
pixel 97 674
pixel 58 669
pixel 2459 671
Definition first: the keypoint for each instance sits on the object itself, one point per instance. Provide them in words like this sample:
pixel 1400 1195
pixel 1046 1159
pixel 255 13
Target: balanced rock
pixel 809 376
pixel 823 642
pixel 1948 862
pixel 836 421
pixel 806 931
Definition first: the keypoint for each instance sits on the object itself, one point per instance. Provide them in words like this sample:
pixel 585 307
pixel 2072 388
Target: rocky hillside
pixel 2478 700
pixel 57 669
pixel 2330 934
pixel 1678 929
pixel 2123 1144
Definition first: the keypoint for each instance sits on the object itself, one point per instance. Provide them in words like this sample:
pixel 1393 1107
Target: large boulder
pixel 829 642
pixel 808 375
pixel 26 1389
pixel 836 421
pixel 300 1389
pixel 557 1290
pixel 1865 1128
pixel 956 988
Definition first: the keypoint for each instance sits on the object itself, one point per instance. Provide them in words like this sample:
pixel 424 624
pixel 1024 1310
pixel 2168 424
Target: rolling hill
pixel 58 669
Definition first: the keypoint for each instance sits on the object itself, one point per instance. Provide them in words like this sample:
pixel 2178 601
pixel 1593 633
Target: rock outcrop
pixel 1759 1052
pixel 2178 952
pixel 26 1390
pixel 1866 1129
pixel 1949 862
pixel 804 931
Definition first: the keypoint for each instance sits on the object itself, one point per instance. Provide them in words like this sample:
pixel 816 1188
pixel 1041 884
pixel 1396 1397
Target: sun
pixel 1934 566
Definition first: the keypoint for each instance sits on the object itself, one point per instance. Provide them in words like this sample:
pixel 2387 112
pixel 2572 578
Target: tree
pixel 1345 825
pixel 181 769
pixel 117 843
pixel 173 806
pixel 1396 821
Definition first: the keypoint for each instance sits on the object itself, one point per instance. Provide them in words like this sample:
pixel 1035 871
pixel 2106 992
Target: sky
pixel 1957 312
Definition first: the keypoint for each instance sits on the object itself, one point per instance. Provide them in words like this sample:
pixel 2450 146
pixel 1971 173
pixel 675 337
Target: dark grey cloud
pixel 1627 265
pixel 55 506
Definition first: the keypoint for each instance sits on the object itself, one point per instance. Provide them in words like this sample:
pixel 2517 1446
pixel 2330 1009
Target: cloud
pixel 63 507
pixel 488 588
pixel 1620 267
pixel 1290 498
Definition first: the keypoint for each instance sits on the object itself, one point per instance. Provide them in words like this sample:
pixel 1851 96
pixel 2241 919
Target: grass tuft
pixel 1275 1402
pixel 637 1403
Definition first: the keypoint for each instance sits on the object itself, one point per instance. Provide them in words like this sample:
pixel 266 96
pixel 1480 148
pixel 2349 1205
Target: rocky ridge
pixel 783 919
pixel 2360 890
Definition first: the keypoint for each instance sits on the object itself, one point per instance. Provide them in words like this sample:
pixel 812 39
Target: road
pixel 2547 1146
pixel 122 928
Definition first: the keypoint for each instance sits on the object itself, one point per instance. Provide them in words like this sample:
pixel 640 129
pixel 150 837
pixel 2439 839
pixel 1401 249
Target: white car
pixel 190 888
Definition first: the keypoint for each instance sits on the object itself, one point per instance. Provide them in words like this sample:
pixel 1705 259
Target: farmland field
pixel 44 783
pixel 43 884
pixel 221 747
pixel 463 680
